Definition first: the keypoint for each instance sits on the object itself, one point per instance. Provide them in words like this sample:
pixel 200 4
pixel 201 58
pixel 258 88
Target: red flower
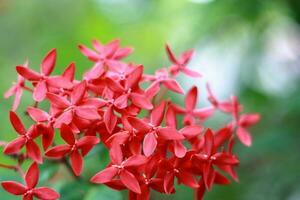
pixel 47 130
pixel 180 65
pixel 153 130
pixel 30 190
pixel 76 148
pixel 161 77
pixel 77 107
pixel 26 139
pixel 130 90
pixel 243 122
pixel 210 157
pixel 106 55
pixel 148 181
pixel 121 168
pixel 190 112
pixel 42 80
pixel 224 106
pixel 179 168
pixel 17 90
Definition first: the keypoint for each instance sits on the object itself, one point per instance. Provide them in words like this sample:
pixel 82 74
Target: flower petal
pixel 179 149
pixel 135 161
pixel 14 187
pixel 40 91
pixel 191 131
pixel 191 98
pixel 78 92
pixel 116 154
pixel 65 118
pixel 17 123
pixel 122 52
pixel 157 114
pixel 33 151
pixel 76 162
pixel 37 114
pixel 244 136
pixel 187 179
pixel 209 141
pixel 69 72
pixel 141 101
pixel 191 73
pixel 15 146
pixel 58 101
pixel 129 180
pixel 110 119
pixel 169 183
pixel 170 54
pixel 17 99
pixel 32 175
pixel 173 85
pixel 28 73
pixel 58 151
pixel 48 62
pixel 95 72
pixel 46 193
pixel 139 124
pixel 105 175
pixel 135 76
pixel 169 133
pixel 67 134
pixel 59 82
pixel 87 112
pixel 111 48
pixel 90 54
pixel 149 144
pixel 247 120
pixel 87 140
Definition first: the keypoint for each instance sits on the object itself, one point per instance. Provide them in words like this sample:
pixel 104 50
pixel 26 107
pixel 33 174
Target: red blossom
pixel 26 138
pixel 191 113
pixel 42 80
pixel 76 107
pixel 77 149
pixel 180 65
pixel 243 122
pixel 153 131
pixel 17 90
pixel 29 191
pixel 162 77
pixel 209 158
pixel 120 167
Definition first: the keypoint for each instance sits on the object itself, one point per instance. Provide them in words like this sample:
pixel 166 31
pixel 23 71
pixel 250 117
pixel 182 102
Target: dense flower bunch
pixel 116 105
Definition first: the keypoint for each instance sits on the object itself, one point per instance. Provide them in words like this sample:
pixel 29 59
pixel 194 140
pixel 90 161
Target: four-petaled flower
pixel 76 148
pixel 120 167
pixel 30 190
pixel 191 113
pixel 180 65
pixel 209 157
pixel 26 138
pixel 242 122
pixel 42 81
pixel 153 130
pixel 17 90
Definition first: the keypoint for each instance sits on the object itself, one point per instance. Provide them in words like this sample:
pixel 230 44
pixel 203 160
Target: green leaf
pixel 103 193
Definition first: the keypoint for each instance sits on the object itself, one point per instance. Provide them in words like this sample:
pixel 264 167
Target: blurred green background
pixel 250 48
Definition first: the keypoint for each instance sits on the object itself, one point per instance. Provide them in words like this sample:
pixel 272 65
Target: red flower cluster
pixel 119 105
